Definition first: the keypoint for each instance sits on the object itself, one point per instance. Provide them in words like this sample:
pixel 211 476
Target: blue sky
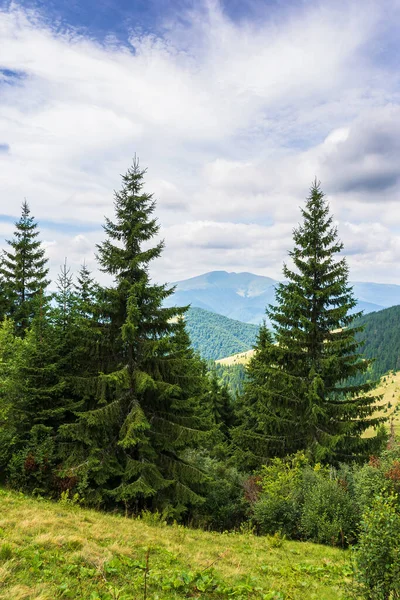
pixel 233 106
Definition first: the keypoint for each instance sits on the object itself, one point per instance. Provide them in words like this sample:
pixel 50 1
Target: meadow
pixel 54 550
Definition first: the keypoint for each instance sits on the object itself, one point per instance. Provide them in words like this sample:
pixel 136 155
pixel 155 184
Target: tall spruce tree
pixel 296 396
pixel 24 271
pixel 128 444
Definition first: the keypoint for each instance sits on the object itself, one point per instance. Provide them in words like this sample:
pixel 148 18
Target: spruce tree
pixel 64 297
pixel 296 396
pixel 24 271
pixel 41 403
pixel 221 405
pixel 128 445
pixel 87 292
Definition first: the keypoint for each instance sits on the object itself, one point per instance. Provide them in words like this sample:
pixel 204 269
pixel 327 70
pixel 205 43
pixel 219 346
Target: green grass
pixel 53 550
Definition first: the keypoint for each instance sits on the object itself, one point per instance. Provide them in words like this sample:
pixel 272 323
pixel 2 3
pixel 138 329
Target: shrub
pixel 377 557
pixel 225 506
pixel 31 468
pixel 329 514
pixel 278 508
pixel 369 481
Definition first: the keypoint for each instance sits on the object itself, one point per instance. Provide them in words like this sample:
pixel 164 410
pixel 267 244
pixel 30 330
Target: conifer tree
pixel 41 403
pixel 221 405
pixel 128 445
pixel 3 296
pixel 24 271
pixel 297 396
pixel 65 296
pixel 11 351
pixel 87 292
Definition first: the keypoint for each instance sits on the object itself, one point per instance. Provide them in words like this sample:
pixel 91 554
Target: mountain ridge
pixel 244 296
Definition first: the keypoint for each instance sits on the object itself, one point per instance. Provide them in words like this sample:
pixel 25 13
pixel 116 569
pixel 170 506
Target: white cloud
pixel 233 121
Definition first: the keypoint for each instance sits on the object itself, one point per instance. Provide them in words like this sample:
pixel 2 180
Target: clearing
pixel 54 550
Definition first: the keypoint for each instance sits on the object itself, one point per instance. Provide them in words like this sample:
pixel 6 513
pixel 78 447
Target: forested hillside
pixel 381 337
pixel 216 336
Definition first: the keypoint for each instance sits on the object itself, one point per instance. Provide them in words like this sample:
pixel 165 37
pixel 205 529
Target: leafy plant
pixel 377 556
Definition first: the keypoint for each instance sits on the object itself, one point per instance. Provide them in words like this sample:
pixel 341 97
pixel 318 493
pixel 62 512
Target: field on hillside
pixel 389 389
pixel 55 550
pixel 242 358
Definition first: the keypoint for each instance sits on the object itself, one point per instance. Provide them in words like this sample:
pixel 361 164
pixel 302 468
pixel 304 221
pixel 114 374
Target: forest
pixel 215 336
pixel 104 401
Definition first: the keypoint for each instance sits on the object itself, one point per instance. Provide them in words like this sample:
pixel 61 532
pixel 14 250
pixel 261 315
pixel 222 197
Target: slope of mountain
pixel 244 296
pixel 216 336
pixel 381 337
pixel 240 296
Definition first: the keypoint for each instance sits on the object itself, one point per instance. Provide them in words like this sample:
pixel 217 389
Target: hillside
pixel 381 337
pixel 239 296
pixel 389 388
pixel 51 550
pixel 244 296
pixel 216 336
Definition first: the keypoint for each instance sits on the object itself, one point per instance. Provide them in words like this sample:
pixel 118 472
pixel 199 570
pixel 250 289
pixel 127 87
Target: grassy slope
pixel 242 358
pixel 389 389
pixel 50 550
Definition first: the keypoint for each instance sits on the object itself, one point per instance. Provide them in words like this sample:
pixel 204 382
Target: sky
pixel 232 106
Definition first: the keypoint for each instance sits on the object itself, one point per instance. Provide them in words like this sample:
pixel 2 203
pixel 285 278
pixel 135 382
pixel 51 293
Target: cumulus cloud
pixel 232 119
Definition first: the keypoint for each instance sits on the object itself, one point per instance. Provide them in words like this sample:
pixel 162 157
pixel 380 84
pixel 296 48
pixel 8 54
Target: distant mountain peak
pixel 244 296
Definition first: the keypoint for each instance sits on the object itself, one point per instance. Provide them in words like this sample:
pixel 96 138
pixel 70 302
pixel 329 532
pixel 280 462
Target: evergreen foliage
pixel 296 396
pixel 141 411
pixel 231 376
pixel 23 271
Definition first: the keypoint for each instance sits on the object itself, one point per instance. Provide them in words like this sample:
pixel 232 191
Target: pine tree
pixel 87 291
pixel 265 424
pixel 221 405
pixel 41 403
pixel 3 295
pixel 305 402
pixel 11 351
pixel 64 297
pixel 128 444
pixel 24 271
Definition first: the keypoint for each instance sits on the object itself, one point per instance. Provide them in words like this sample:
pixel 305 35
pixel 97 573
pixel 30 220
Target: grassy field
pixel 389 389
pixel 56 550
pixel 236 359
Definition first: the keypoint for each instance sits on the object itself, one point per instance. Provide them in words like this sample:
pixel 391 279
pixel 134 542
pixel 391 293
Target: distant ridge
pixel 244 296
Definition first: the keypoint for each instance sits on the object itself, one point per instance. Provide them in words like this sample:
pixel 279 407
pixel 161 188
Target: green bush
pixel 279 506
pixel 31 468
pixel 378 554
pixel 369 481
pixel 225 507
pixel 329 514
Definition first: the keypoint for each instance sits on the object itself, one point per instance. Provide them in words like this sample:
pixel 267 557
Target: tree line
pixel 102 394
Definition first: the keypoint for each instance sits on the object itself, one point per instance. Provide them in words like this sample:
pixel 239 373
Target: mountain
pixel 239 296
pixel 381 337
pixel 216 336
pixel 244 296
